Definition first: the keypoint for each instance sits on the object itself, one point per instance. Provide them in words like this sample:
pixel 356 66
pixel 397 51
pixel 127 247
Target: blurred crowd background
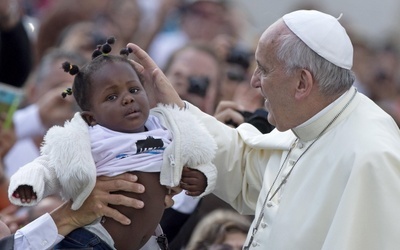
pixel 162 26
pixel 205 48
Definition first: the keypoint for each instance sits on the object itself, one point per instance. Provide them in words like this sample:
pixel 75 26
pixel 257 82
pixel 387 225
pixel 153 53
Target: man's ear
pixel 305 84
pixel 88 117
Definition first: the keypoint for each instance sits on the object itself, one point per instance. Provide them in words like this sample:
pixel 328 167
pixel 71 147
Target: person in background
pixel 16 48
pixel 42 107
pixel 220 227
pixel 196 73
pixel 309 182
pixel 81 37
pixel 200 21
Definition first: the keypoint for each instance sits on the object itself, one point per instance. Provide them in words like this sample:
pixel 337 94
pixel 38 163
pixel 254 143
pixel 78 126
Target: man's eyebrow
pixel 259 65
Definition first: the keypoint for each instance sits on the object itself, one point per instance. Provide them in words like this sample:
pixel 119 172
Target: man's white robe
pixel 343 193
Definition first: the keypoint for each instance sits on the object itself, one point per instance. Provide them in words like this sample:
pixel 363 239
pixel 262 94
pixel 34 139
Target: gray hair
pixel 295 54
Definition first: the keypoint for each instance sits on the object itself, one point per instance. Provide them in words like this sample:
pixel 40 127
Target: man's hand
pixel 12 218
pixel 96 205
pixel 157 85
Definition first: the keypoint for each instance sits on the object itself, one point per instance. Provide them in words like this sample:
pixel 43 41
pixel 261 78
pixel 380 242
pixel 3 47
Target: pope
pixel 328 176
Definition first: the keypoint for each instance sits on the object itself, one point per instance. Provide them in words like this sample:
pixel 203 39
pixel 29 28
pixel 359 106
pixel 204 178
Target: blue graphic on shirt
pixel 149 146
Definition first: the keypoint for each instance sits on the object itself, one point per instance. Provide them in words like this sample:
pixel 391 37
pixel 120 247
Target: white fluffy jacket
pixel 66 165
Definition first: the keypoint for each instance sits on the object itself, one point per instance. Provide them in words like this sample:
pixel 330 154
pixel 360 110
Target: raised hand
pixel 158 87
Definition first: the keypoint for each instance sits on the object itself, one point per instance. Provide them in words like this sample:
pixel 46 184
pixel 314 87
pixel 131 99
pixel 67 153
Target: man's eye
pixel 262 72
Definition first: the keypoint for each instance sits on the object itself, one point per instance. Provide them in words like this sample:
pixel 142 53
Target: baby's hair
pixel 83 76
pixel 103 49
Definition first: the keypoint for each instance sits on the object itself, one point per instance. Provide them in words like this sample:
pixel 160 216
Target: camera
pixel 198 85
pixel 239 56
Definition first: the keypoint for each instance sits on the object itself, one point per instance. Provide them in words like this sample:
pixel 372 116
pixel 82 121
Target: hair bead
pixel 125 51
pixel 71 69
pixel 66 92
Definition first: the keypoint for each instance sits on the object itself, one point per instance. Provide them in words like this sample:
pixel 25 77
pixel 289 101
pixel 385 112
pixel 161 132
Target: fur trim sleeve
pixel 39 175
pixel 192 146
pixel 71 156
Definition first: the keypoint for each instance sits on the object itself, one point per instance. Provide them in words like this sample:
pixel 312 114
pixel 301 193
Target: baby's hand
pixel 25 193
pixel 193 181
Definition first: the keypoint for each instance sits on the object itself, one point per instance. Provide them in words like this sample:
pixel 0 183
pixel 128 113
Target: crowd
pixel 306 130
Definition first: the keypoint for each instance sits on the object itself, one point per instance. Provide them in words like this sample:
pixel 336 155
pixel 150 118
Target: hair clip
pixel 66 92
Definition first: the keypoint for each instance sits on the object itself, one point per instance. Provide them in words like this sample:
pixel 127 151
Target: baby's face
pixel 119 101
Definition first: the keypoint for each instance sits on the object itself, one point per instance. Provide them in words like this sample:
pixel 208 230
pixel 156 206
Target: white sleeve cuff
pixel 40 234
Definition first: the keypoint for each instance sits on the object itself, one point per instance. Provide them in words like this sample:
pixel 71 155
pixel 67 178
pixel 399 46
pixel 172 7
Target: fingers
pixel 13 221
pixel 228 113
pixel 143 58
pixel 230 117
pixel 119 199
pixel 116 215
pixel 157 85
pixel 172 191
pixel 25 194
pixel 139 68
pixel 123 182
pixel 190 184
pixel 101 196
pixel 223 105
pixel 168 202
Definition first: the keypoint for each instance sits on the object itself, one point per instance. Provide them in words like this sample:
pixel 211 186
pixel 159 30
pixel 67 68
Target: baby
pixel 117 132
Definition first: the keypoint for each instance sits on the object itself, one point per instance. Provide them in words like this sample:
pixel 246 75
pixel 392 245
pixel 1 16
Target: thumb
pixel 165 91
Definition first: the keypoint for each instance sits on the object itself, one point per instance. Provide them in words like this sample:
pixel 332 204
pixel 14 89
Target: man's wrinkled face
pixel 274 83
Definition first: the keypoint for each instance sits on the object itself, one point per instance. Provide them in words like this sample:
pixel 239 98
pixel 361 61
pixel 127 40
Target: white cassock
pixel 343 192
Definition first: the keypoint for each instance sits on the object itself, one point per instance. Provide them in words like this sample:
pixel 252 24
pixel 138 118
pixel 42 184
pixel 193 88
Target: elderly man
pixel 328 176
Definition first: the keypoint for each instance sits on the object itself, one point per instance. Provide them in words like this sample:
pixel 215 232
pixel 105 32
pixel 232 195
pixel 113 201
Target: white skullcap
pixel 323 34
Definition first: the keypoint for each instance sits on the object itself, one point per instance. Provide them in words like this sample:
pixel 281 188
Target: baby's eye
pixel 111 97
pixel 133 90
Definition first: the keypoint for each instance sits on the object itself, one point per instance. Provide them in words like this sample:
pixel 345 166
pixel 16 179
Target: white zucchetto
pixel 323 34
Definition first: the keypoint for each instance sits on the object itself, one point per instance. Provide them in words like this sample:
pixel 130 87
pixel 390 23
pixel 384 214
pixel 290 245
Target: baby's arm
pixel 25 193
pixel 193 181
pixel 37 175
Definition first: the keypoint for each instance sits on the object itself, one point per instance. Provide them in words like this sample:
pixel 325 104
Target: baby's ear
pixel 88 117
